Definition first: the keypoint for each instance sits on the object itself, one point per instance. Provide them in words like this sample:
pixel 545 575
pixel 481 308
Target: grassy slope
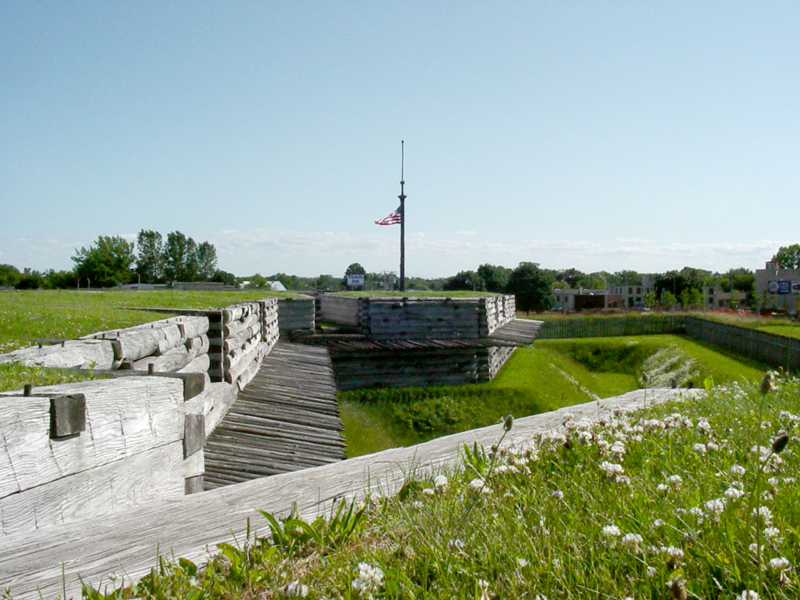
pixel 549 375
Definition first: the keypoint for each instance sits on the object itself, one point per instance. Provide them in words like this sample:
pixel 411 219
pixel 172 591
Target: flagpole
pixel 402 220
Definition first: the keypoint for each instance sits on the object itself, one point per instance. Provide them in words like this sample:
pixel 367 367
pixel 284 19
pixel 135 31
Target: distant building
pixel 714 297
pixel 777 288
pixel 569 300
pixel 631 295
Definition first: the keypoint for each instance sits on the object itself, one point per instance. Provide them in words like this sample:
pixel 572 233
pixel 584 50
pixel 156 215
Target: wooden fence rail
pixel 611 326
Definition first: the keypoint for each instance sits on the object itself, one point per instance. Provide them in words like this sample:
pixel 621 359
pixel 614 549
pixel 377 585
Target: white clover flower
pixel 773 482
pixel 672 552
pixel 773 534
pixel 697 512
pixel 674 480
pixel 483 584
pixel 624 479
pixel 699 448
pixel 715 507
pixel 755 548
pixel 612 531
pixel 633 541
pixel 440 483
pixel 662 487
pixel 738 470
pixel 522 563
pixel 658 524
pixel 778 564
pixel 651 572
pixel 558 495
pixel 428 492
pixel 712 446
pixel 611 469
pixel 369 580
pixel 763 514
pixel 618 449
pixel 703 425
pixel 733 493
pixel 295 589
pixel 748 595
pixel 507 469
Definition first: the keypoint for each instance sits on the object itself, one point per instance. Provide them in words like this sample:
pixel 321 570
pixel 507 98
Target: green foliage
pixel 150 256
pixel 532 288
pixel 465 280
pixel 105 264
pixel 9 275
pixel 788 257
pixel 494 278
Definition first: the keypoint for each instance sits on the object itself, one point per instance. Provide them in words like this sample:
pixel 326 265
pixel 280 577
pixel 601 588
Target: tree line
pixel 113 260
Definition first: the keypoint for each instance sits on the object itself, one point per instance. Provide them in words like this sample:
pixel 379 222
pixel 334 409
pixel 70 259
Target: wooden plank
pixel 124 417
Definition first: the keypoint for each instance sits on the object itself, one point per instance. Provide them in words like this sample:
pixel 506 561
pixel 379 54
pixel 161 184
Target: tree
pixel 9 275
pixel 494 278
pixel 150 256
pixel 531 286
pixel 465 280
pixel 180 258
pixel 105 264
pixel 788 257
pixel 206 261
pixel 224 277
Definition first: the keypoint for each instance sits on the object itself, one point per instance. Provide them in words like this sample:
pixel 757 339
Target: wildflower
pixel 674 480
pixel 738 470
pixel 762 513
pixel 618 449
pixel 478 485
pixel 715 507
pixel 623 479
pixel 677 589
pixel 767 384
pixel 522 563
pixel 369 580
pixel 712 446
pixel 733 493
pixel 703 425
pixel 428 492
pixel 558 495
pixel 633 541
pixel 611 469
pixel 508 423
pixel 658 524
pixel 778 564
pixel 440 483
pixel 748 595
pixel 699 448
pixel 295 589
pixel 773 534
pixel 662 487
pixel 612 530
pixel 483 585
pixel 674 556
pixel 651 572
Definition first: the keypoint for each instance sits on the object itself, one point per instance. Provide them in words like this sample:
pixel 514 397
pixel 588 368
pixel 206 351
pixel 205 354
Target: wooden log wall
pixel 241 337
pixel 296 314
pixel 345 310
pixel 424 318
pixel 169 345
pixel 125 448
pixel 496 311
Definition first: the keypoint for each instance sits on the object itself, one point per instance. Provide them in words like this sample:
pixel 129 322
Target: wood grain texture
pixel 187 526
pixel 124 417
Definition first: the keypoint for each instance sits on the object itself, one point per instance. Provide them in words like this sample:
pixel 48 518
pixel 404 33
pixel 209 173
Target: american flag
pixel 393 219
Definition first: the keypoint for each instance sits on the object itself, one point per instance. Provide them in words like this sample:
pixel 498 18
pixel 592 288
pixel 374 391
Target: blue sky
pixel 595 135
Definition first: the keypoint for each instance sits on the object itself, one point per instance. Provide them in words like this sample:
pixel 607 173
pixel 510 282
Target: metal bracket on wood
pixel 67 416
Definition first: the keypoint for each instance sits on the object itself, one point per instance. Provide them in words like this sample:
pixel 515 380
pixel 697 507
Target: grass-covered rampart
pixel 547 376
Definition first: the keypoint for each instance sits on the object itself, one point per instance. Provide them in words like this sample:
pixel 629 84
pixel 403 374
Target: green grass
pixel 692 499
pixel 549 375
pixel 14 376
